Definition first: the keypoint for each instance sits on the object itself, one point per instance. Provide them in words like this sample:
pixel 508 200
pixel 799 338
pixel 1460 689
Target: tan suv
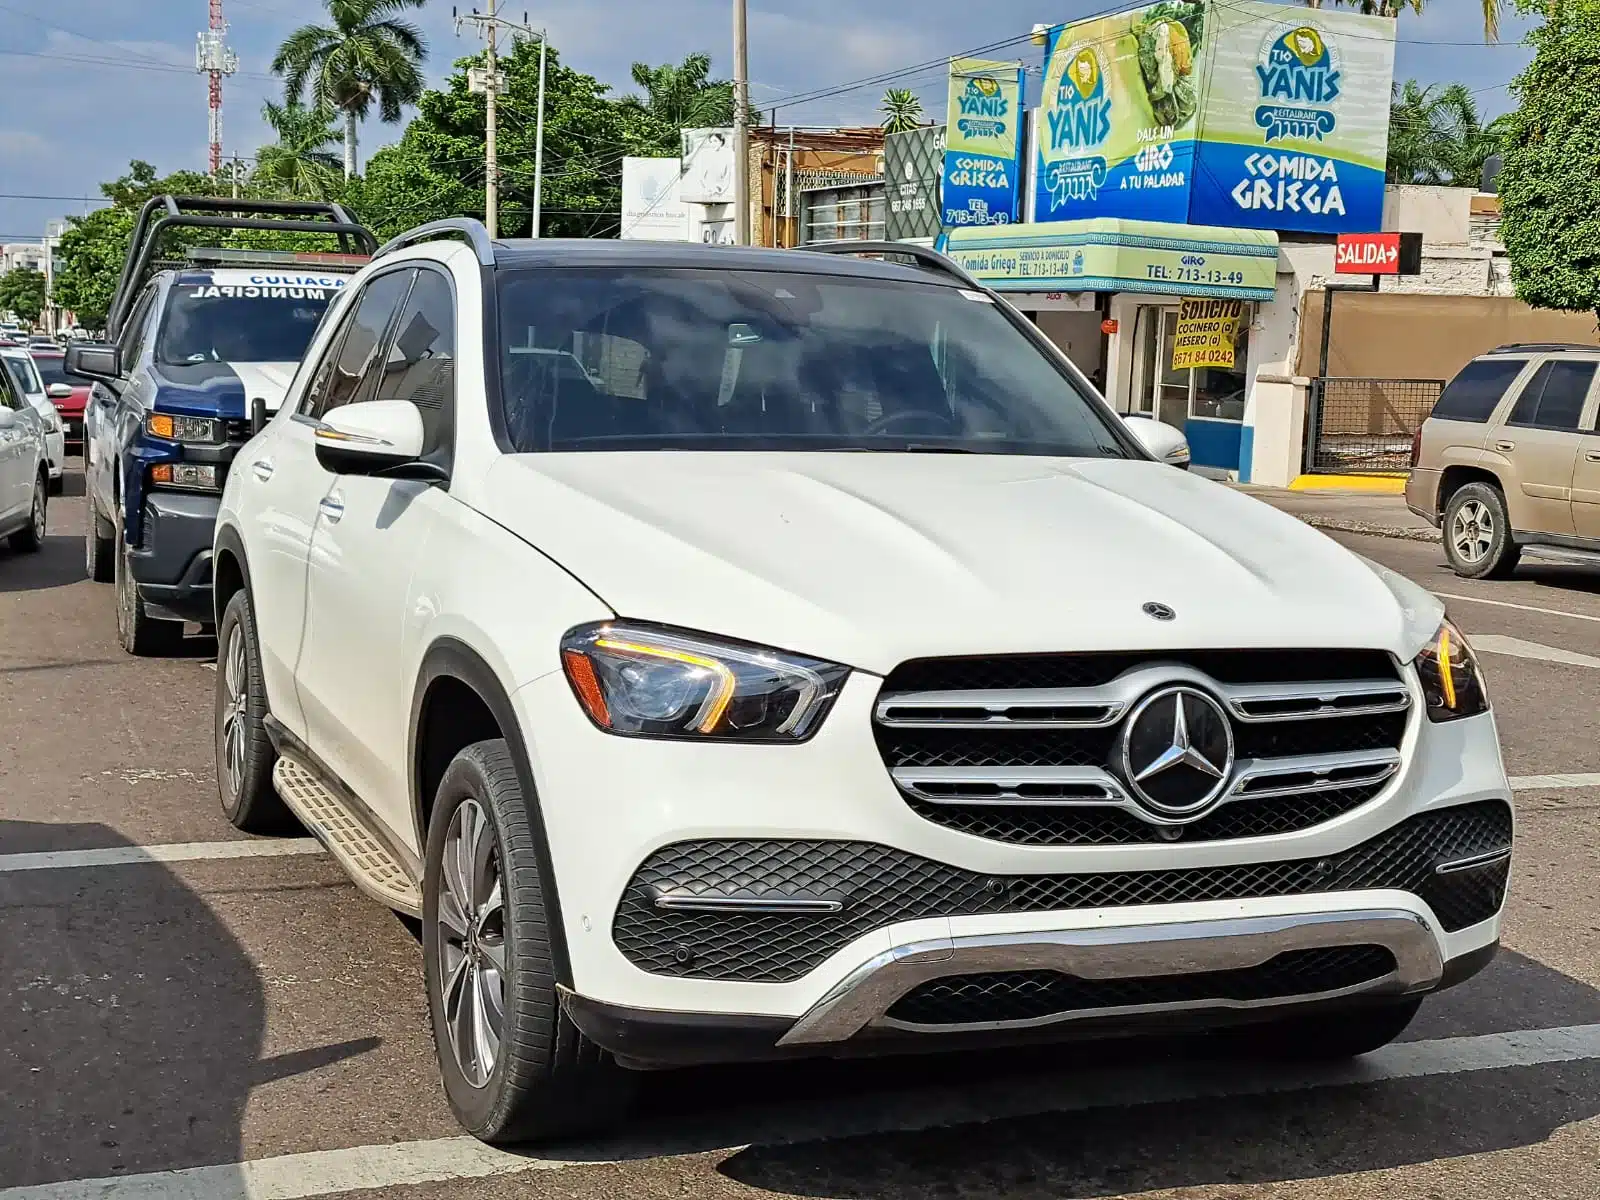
pixel 1510 460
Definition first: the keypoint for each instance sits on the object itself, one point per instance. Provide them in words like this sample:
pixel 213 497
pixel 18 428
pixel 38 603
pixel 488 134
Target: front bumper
pixel 172 564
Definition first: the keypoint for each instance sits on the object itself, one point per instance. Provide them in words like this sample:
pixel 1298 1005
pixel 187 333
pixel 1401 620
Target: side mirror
pixel 377 437
pixel 59 391
pixel 94 360
pixel 8 419
pixel 1161 440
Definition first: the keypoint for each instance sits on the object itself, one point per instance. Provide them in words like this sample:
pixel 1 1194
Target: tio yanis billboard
pixel 1236 113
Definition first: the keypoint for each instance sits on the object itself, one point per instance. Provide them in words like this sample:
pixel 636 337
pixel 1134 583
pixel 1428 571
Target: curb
pixel 1398 532
pixel 1372 485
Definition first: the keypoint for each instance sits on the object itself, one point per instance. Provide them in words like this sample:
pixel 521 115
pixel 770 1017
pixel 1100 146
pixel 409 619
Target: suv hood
pixel 871 559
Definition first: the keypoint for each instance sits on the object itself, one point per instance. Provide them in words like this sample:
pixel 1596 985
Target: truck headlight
pixel 184 429
pixel 192 477
pixel 646 682
pixel 1452 685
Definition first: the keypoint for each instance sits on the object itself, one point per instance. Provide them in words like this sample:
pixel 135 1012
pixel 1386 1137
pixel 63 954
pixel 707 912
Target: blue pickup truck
pixel 201 348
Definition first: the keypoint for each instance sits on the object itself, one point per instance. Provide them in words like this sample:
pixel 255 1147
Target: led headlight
pixel 183 429
pixel 1452 685
pixel 647 682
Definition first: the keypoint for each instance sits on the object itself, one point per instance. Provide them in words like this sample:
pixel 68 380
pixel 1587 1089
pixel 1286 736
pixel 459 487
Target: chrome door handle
pixel 332 508
pixel 1505 446
pixel 1592 455
pixel 263 468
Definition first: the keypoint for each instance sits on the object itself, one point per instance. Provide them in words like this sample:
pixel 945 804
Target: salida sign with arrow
pixel 1378 254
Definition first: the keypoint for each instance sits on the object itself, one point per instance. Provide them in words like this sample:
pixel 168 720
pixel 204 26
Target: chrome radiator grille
pixel 1035 750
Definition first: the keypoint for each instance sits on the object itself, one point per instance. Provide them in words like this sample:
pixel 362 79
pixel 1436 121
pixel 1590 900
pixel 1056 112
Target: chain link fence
pixel 1365 426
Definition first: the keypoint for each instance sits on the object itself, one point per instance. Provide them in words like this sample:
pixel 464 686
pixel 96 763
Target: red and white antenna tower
pixel 213 58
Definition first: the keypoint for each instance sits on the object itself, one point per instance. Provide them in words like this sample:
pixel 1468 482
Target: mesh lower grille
pixel 878 885
pixel 1032 995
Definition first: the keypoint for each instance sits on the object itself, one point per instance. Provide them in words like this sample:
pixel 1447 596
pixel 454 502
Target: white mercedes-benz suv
pixel 732 654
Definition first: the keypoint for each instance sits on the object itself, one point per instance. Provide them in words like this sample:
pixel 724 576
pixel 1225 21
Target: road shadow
pixel 132 1021
pixel 1266 1136
pixel 55 564
pixel 72 484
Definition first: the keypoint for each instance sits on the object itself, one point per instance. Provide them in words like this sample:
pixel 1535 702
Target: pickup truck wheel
pixel 30 537
pixel 99 544
pixel 1333 1036
pixel 1477 533
pixel 244 752
pixel 138 632
pixel 515 1068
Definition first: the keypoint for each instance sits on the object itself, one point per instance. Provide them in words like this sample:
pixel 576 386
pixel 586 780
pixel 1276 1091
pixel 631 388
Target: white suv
pixel 732 654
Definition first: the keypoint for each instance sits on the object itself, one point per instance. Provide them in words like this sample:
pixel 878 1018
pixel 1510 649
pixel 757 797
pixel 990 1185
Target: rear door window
pixel 1476 391
pixel 1555 396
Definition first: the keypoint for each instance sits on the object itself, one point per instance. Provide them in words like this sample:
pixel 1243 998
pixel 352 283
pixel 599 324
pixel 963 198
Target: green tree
pixel 683 96
pixel 437 167
pixel 1550 180
pixel 367 54
pixel 1393 8
pixel 22 294
pixel 298 164
pixel 902 110
pixel 1437 137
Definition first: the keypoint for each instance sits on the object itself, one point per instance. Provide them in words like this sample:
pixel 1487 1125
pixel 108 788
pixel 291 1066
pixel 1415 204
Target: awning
pixel 1110 255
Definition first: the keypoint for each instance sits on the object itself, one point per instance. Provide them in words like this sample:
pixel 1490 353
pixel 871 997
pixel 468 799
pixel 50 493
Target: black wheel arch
pixel 455 664
pixel 230 569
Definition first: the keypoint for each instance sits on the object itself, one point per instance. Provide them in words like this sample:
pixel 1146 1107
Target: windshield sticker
pixel 251 292
pixel 317 281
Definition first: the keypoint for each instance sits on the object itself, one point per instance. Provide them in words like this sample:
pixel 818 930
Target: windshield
pixel 51 370
pixel 200 327
pixel 23 375
pixel 714 360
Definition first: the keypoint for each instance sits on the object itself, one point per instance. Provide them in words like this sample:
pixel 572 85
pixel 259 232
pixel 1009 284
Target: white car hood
pixel 871 559
pixel 269 380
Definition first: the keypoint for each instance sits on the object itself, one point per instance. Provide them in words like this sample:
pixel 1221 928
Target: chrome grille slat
pixel 1329 772
pixel 1001 785
pixel 1344 698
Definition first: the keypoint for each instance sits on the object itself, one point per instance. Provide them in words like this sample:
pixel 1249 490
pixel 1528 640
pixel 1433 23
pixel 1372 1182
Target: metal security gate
pixel 1359 426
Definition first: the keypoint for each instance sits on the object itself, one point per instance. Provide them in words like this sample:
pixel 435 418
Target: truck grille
pixel 1007 996
pixel 771 911
pixel 1028 749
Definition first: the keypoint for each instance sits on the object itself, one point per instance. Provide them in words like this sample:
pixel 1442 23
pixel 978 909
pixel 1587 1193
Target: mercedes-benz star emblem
pixel 1159 611
pixel 1177 751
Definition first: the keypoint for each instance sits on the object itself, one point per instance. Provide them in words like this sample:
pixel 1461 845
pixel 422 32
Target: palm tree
pixel 1392 8
pixel 684 96
pixel 902 110
pixel 366 54
pixel 1436 136
pixel 298 164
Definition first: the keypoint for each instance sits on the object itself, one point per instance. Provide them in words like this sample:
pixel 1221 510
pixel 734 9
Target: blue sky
pixel 86 85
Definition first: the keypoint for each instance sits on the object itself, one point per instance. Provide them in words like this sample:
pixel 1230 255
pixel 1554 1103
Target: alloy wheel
pixel 39 502
pixel 235 700
pixel 471 929
pixel 1472 532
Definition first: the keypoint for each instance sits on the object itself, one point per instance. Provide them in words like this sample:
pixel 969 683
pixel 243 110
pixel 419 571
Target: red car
pixel 68 395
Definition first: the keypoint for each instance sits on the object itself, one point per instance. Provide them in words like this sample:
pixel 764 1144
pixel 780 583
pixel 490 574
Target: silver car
pixel 24 374
pixel 24 469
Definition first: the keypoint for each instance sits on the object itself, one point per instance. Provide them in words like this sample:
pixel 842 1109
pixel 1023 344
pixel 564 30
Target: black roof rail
pixel 161 213
pixel 921 255
pixel 1538 347
pixel 464 227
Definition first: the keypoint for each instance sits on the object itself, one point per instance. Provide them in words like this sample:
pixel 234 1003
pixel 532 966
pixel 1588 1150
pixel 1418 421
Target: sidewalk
pixel 1348 512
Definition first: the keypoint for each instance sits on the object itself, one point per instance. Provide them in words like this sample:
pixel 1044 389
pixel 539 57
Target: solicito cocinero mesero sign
pixel 983 143
pixel 1234 113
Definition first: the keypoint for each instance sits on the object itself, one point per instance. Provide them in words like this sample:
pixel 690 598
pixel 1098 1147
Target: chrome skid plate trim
pixel 864 997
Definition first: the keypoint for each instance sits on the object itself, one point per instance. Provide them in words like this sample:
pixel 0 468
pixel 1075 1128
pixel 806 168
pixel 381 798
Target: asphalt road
pixel 255 1025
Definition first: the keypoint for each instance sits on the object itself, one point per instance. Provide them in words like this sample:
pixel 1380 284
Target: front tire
pixel 99 545
pixel 139 633
pixel 30 537
pixel 514 1066
pixel 1333 1037
pixel 1477 533
pixel 244 752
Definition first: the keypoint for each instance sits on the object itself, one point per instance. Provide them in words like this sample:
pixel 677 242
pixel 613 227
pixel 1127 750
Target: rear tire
pixel 486 934
pixel 1477 533
pixel 244 752
pixel 140 633
pixel 1335 1036
pixel 99 544
pixel 30 537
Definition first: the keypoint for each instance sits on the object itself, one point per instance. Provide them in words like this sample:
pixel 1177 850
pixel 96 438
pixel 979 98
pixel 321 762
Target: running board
pixel 370 864
pixel 1569 556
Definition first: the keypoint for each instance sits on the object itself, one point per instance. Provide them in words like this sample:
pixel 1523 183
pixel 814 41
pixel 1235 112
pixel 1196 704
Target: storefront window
pixel 837 214
pixel 1176 397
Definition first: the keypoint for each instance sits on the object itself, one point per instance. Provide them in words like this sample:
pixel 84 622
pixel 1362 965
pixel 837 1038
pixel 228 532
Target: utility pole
pixel 741 126
pixel 489 81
